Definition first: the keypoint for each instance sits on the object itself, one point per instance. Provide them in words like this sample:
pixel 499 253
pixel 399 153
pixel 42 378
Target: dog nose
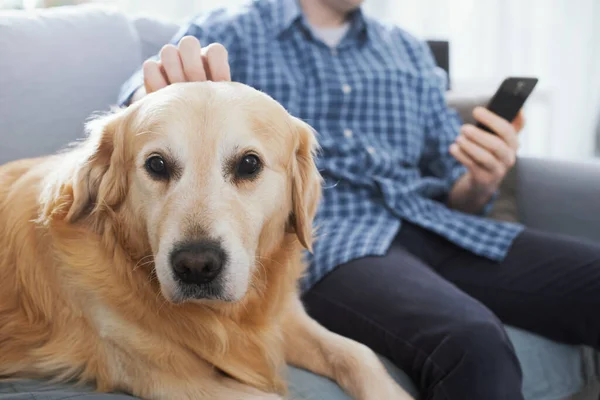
pixel 198 263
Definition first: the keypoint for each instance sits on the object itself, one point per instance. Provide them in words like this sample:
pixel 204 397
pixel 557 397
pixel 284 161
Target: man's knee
pixel 478 342
pixel 476 354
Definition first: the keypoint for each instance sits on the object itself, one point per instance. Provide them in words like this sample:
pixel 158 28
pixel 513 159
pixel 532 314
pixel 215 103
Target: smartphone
pixel 509 98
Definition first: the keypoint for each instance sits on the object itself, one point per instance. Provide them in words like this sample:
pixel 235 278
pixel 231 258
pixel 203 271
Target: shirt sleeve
pixel 213 27
pixel 441 126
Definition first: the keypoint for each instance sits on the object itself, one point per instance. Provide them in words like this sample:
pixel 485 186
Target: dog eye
pixel 157 167
pixel 248 167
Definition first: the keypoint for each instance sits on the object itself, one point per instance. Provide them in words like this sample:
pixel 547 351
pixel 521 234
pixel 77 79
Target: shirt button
pixel 371 150
pixel 334 51
pixel 348 133
pixel 346 88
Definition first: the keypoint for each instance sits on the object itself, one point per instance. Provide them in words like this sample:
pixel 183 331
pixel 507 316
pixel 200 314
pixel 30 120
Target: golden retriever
pixel 161 255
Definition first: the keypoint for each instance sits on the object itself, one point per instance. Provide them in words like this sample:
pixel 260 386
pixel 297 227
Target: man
pixel 405 262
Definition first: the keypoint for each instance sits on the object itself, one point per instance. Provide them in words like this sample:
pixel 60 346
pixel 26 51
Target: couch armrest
pixel 559 196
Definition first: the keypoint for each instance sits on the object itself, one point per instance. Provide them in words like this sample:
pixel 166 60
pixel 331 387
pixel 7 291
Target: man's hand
pixel 488 158
pixel 187 62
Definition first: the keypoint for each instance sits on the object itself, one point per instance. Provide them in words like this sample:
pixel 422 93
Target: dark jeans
pixel 435 309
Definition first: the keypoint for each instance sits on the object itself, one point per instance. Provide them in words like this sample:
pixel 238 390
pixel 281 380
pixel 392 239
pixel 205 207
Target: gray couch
pixel 59 66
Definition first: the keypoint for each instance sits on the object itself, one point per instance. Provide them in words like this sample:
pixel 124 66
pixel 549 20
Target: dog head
pixel 199 175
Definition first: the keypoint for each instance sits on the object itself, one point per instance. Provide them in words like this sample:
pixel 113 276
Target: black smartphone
pixel 509 98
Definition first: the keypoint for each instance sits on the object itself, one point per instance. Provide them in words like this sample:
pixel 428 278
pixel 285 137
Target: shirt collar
pixel 287 12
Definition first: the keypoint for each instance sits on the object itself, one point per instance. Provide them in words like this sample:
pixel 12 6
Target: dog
pixel 160 256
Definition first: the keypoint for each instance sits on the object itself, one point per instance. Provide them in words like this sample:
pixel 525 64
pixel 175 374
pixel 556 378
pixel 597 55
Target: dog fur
pixel 85 293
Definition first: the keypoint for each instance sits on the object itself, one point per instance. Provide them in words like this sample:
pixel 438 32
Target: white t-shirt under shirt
pixel 330 36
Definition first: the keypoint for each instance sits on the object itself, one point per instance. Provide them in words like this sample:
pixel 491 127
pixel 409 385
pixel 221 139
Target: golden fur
pixel 81 235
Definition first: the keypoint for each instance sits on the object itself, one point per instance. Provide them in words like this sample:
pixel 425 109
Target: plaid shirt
pixel 378 103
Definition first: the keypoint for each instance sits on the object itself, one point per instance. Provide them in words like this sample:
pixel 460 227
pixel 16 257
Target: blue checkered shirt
pixel 378 103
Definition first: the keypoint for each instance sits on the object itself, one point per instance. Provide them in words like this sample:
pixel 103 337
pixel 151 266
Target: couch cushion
pixel 57 67
pixel 154 34
pixel 552 370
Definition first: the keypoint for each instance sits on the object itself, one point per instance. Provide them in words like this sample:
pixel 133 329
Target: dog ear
pixel 306 184
pixel 94 177
pixel 101 181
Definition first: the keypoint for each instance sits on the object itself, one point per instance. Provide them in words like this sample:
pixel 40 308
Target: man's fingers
pixel 153 77
pixel 191 58
pixel 462 158
pixel 492 143
pixel 171 62
pixel 187 62
pixel 480 155
pixel 519 122
pixel 216 62
pixel 499 125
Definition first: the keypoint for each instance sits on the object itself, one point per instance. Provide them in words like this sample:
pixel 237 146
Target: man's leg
pixel 450 344
pixel 548 284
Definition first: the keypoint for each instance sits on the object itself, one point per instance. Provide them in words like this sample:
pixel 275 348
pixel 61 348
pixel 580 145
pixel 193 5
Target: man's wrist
pixel 470 196
pixel 479 191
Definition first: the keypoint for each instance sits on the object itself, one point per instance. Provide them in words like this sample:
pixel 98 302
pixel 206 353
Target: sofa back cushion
pixel 57 67
pixel 154 34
